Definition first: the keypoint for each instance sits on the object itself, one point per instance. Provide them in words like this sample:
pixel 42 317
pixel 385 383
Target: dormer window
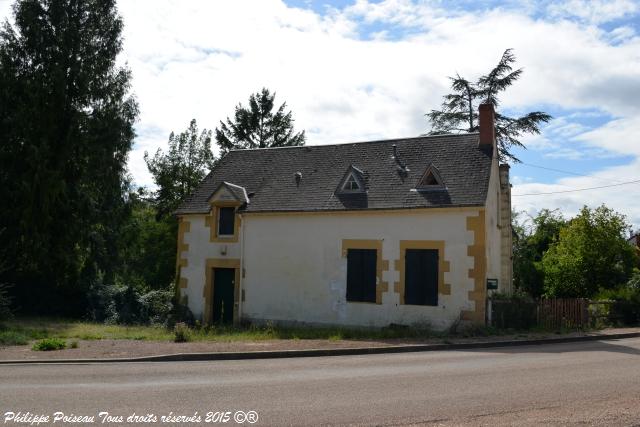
pixel 226 221
pixel 430 180
pixel 351 184
pixel 353 181
pixel 226 202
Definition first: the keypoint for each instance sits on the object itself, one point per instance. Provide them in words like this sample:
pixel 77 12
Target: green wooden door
pixel 223 294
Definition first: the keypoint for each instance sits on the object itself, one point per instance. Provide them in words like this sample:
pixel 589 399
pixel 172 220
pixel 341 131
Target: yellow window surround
pixel 212 219
pixel 443 265
pixel 381 265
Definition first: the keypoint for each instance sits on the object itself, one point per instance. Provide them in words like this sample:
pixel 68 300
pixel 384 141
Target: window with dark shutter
pixel 226 218
pixel 361 275
pixel 421 277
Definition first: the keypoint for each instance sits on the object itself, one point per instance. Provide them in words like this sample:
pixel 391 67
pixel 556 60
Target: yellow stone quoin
pixel 184 226
pixel 478 273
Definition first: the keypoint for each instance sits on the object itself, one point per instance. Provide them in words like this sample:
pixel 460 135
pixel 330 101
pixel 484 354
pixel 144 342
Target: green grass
pixel 21 331
pixel 49 344
pixel 267 332
pixel 13 338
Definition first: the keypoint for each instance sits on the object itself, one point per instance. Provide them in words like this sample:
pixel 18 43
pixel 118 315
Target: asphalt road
pixel 592 383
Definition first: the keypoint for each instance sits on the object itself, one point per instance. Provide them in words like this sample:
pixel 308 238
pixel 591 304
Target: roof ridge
pixel 358 142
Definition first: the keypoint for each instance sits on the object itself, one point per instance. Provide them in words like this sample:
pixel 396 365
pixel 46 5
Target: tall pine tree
pixel 66 126
pixel 257 126
pixel 459 111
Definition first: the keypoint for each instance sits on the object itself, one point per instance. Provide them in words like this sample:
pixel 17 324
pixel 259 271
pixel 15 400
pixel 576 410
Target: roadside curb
pixel 281 354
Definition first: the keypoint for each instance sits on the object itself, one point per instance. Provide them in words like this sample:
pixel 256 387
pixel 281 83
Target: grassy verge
pixel 22 331
pixel 267 332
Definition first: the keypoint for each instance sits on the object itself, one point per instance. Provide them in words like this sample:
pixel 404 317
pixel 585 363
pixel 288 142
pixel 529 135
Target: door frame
pixel 210 264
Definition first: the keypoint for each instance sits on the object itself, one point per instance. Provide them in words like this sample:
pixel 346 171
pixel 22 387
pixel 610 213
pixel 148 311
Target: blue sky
pixel 359 70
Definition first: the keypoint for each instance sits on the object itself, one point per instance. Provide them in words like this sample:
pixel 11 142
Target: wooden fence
pixel 561 313
pixel 552 313
pixel 558 313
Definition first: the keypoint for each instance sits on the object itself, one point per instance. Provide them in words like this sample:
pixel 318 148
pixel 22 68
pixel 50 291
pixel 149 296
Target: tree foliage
pixel 66 125
pixel 257 126
pixel 178 172
pixel 153 229
pixel 590 255
pixel 459 111
pixel 147 244
pixel 530 244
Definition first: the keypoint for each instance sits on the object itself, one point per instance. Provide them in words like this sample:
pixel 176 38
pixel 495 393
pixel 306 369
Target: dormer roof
pixel 228 192
pixel 430 180
pixel 353 181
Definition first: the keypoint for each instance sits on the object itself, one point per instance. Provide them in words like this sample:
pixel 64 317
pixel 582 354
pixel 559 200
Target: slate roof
pixel 268 175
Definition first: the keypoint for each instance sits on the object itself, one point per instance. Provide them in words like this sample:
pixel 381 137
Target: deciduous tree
pixel 179 171
pixel 530 243
pixel 591 254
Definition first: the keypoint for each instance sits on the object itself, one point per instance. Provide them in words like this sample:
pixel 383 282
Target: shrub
pixel 155 306
pixel 182 332
pixel 513 311
pixel 49 344
pixel 74 344
pixel 100 300
pixel 5 303
pixel 180 313
pixel 626 307
pixel 13 338
pixel 129 304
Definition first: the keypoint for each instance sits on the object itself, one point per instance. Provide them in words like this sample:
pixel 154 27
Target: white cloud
pixel 594 11
pixel 563 127
pixel 620 135
pixel 621 34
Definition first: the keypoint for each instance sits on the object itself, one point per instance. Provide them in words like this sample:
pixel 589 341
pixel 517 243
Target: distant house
pixel 398 231
pixel 634 240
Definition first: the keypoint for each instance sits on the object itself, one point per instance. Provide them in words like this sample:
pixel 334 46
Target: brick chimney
pixel 487 127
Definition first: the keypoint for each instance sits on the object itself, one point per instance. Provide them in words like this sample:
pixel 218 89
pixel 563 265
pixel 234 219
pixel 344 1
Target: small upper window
pixel 430 179
pixel 351 184
pixel 352 181
pixel 226 221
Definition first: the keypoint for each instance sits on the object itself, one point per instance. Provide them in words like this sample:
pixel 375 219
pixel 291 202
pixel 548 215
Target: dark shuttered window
pixel 421 277
pixel 226 218
pixel 361 275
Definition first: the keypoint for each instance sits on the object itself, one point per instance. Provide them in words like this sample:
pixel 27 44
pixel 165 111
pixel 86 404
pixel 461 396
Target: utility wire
pixel 568 172
pixel 578 189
